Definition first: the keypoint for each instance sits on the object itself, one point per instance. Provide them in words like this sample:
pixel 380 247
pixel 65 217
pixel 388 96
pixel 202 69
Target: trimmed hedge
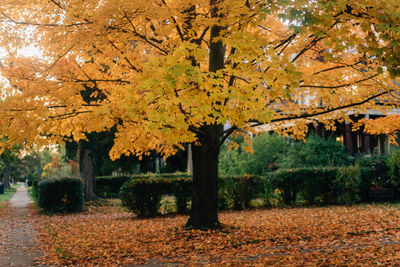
pixel 319 186
pixel 110 186
pixel 236 192
pixel 61 195
pixel 330 185
pixel 289 182
pixel 143 196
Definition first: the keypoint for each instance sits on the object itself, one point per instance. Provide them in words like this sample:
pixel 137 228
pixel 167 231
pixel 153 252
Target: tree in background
pixel 174 72
pixel 263 154
pixel 316 151
pixel 8 161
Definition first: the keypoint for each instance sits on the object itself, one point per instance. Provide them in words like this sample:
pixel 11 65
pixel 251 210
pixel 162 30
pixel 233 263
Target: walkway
pixel 17 244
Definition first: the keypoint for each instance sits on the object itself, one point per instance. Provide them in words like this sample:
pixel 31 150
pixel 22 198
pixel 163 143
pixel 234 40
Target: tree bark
pixel 86 169
pixel 204 210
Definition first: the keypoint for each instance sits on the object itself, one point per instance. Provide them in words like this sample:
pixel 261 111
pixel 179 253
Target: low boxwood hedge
pixel 60 195
pixel 143 195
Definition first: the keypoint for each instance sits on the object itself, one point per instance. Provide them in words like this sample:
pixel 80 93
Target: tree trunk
pixel 86 169
pixel 204 211
pixel 6 176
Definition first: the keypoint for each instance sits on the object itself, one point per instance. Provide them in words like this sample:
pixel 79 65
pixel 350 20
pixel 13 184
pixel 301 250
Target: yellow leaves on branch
pixel 144 66
pixel 388 125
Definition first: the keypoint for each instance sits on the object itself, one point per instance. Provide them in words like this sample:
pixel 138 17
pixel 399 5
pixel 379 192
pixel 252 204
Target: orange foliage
pixel 357 235
pixel 388 125
pixel 148 69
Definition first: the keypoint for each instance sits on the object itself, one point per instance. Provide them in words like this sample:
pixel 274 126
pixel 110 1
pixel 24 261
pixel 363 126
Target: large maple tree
pixel 172 72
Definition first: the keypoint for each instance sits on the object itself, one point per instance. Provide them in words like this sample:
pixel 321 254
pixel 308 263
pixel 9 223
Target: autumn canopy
pixel 171 72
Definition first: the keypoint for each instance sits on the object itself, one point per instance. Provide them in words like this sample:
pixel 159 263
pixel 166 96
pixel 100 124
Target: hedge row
pixel 60 195
pixel 110 186
pixel 143 195
pixel 332 185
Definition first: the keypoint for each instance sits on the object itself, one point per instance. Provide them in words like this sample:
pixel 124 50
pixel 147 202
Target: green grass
pixel 8 193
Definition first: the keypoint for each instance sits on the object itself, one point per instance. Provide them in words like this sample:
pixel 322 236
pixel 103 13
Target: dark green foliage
pixel 181 188
pixel 60 195
pixel 393 163
pixel 347 184
pixel 366 178
pixel 162 175
pixel 236 192
pixel 268 150
pixel 288 181
pixel 143 195
pixel 109 186
pixel 330 185
pixel 316 152
pixel 319 185
pixel 379 170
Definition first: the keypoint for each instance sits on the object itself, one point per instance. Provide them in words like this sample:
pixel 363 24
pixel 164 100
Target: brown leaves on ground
pixel 362 235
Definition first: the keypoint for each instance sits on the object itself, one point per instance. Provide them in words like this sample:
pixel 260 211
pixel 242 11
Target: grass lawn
pixel 8 193
pixel 361 235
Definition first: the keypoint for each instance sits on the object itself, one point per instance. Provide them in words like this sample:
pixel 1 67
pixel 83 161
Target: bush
pixel 109 186
pixel 366 178
pixel 236 192
pixel 288 181
pixel 316 152
pixel 267 151
pixel 378 168
pixel 393 163
pixel 347 184
pixel 319 185
pixel 143 195
pixel 182 190
pixel 316 185
pixel 60 195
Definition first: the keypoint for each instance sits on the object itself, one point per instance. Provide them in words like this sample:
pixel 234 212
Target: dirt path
pixel 17 244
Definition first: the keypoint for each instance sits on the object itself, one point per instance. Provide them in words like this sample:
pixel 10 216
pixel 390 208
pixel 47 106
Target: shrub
pixel 270 195
pixel 316 152
pixel 366 178
pixel 378 168
pixel 60 194
pixel 236 192
pixel 288 181
pixel 182 190
pixel 267 151
pixel 316 185
pixel 393 163
pixel 143 195
pixel 109 186
pixel 319 185
pixel 347 184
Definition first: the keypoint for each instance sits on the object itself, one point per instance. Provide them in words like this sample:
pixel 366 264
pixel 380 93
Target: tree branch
pixel 323 112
